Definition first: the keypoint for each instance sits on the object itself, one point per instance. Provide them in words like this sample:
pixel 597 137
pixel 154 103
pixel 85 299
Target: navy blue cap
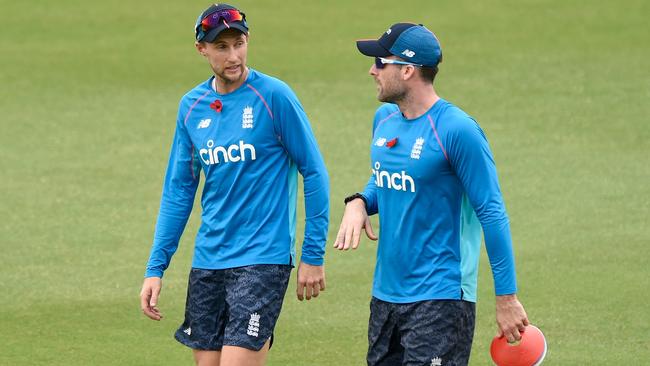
pixel 411 42
pixel 212 33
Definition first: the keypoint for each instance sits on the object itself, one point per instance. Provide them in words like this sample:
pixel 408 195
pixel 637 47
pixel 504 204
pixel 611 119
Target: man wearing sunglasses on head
pixel 434 185
pixel 250 136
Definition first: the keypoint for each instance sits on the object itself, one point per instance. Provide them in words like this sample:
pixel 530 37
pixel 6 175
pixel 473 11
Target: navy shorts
pixel 233 307
pixel 432 332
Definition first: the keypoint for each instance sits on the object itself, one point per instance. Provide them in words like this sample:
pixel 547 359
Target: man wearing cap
pixel 434 185
pixel 250 136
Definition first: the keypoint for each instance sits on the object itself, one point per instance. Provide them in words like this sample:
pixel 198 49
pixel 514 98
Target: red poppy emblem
pixel 391 143
pixel 217 105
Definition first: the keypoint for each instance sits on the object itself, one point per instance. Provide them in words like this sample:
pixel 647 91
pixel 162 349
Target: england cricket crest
pixel 247 118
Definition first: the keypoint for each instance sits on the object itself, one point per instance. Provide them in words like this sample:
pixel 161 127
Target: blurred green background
pixel 88 98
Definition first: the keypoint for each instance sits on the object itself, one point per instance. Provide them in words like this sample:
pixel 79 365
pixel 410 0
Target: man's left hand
pixel 311 281
pixel 511 317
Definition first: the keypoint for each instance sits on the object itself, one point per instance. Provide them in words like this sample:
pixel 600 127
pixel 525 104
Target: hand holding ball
pixel 529 351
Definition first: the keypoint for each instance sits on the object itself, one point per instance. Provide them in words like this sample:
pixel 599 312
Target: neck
pixel 418 101
pixel 224 86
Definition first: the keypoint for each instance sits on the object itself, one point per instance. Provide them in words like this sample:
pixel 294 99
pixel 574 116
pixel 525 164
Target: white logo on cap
pixel 388 31
pixel 408 53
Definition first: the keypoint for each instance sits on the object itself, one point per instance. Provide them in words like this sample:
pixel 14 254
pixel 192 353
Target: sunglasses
pixel 381 62
pixel 212 20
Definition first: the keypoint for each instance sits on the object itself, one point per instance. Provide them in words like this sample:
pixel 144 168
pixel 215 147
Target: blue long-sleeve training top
pixel 434 184
pixel 250 145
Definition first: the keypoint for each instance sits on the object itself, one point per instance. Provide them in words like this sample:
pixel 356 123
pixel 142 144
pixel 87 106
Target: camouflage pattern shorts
pixel 423 333
pixel 233 307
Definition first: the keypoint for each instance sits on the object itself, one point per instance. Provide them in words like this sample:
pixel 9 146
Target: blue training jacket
pixel 434 184
pixel 250 144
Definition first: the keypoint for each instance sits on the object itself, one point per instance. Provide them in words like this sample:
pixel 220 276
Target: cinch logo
pixel 397 181
pixel 234 153
pixel 408 53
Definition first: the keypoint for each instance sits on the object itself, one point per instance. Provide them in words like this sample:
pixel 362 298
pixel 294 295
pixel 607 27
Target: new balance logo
pixel 225 154
pixel 247 118
pixel 396 181
pixel 188 331
pixel 205 123
pixel 417 148
pixel 408 53
pixel 253 325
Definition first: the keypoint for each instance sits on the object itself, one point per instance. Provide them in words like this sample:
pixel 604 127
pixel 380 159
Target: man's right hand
pixel 149 297
pixel 511 317
pixel 355 218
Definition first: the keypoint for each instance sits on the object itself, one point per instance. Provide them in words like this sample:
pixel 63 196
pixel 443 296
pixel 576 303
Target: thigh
pixel 384 348
pixel 207 358
pixel 239 356
pixel 254 295
pixel 205 311
pixel 437 332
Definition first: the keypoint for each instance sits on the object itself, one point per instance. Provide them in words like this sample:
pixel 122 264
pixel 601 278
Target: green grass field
pixel 88 97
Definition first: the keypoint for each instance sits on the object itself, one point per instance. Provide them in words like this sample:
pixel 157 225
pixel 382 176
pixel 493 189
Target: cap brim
pixel 372 48
pixel 214 33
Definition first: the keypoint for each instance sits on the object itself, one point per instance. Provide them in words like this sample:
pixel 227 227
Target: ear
pixel 408 72
pixel 200 47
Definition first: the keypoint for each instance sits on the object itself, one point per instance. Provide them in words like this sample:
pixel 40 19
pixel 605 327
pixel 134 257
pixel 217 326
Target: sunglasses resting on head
pixel 212 20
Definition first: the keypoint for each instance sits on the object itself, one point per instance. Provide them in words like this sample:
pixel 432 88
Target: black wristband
pixel 354 197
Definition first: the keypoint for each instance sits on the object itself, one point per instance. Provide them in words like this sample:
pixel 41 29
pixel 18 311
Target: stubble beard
pixel 391 90
pixel 391 95
pixel 230 80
